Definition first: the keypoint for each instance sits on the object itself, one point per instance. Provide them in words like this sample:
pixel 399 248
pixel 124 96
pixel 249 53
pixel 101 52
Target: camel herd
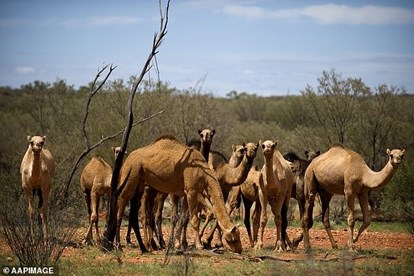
pixel 202 180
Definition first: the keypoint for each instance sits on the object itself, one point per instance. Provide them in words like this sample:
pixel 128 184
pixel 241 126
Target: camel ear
pixel 388 152
pixel 29 138
pixel 403 151
pixel 306 153
pixel 257 145
pixel 213 131
pixel 276 142
pixel 113 149
pixel 199 131
pixel 244 145
pixel 44 138
pixel 318 152
pixel 260 143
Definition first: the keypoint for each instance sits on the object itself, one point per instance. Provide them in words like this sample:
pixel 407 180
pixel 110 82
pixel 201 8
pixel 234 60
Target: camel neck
pixel 268 169
pixel 219 207
pixel 35 165
pixel 236 176
pixel 205 150
pixel 381 178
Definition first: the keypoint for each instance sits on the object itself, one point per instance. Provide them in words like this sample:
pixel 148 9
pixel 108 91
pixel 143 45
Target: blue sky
pixel 256 46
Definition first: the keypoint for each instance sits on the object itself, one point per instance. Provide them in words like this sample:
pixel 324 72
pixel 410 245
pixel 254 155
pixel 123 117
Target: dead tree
pixel 110 232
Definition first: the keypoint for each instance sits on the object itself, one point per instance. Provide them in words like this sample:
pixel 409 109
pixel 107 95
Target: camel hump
pixel 167 137
pixel 337 145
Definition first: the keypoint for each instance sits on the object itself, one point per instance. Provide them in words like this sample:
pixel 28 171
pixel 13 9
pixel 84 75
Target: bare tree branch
pixel 110 231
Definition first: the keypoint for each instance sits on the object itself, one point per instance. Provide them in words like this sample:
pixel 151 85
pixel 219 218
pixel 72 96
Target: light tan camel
pixel 229 176
pixel 299 167
pixel 343 171
pixel 171 167
pixel 37 170
pixel 275 189
pixel 95 182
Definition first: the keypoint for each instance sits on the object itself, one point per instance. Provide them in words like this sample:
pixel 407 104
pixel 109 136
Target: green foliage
pixel 368 120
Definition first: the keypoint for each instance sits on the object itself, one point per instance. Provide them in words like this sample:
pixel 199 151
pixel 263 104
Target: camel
pixel 171 167
pixel 343 171
pixel 298 168
pixel 37 169
pixel 95 182
pixel 228 176
pixel 275 188
pixel 153 201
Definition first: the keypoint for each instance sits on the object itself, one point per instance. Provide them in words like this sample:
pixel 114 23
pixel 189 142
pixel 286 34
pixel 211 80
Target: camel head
pixel 116 151
pixel 310 155
pixel 206 135
pixel 238 151
pixel 251 149
pixel 268 148
pixel 36 143
pixel 231 239
pixel 396 156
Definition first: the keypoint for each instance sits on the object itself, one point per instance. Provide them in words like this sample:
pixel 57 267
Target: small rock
pixel 9 259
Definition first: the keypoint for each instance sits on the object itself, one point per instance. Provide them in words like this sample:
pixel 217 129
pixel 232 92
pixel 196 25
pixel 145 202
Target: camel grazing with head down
pixel 171 167
pixel 343 171
pixel 37 170
pixel 231 174
pixel 274 188
pixel 95 182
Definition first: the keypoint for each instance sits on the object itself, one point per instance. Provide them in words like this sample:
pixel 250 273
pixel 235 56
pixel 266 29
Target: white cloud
pixel 329 14
pixel 24 70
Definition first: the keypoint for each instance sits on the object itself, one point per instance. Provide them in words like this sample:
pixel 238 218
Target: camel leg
pixel 363 202
pixel 160 199
pixel 30 209
pixel 87 199
pixel 92 218
pixel 256 220
pixel 285 238
pixel 301 204
pixel 247 207
pixel 146 202
pixel 263 218
pixel 44 197
pixel 182 226
pixel 350 201
pixel 192 201
pixel 325 199
pixel 98 237
pixel 174 221
pixel 276 207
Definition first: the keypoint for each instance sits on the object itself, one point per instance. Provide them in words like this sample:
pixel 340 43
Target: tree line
pixel 338 110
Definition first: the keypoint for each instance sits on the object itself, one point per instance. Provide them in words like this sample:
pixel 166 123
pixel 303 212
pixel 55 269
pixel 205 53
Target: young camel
pixel 153 200
pixel 299 167
pixel 275 186
pixel 343 171
pixel 171 167
pixel 37 169
pixel 95 182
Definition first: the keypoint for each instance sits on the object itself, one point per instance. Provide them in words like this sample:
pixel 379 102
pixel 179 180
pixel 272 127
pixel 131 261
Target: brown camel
pixel 343 171
pixel 153 200
pixel 298 167
pixel 275 189
pixel 171 167
pixel 95 182
pixel 37 170
pixel 229 176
